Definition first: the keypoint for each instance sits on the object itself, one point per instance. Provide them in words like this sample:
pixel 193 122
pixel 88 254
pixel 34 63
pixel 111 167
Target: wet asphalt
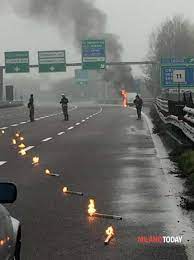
pixel 104 152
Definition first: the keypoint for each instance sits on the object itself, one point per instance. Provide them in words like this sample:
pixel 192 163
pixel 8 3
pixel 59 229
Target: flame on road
pixel 35 160
pixel 110 231
pixel 124 95
pixel 110 234
pixel 14 141
pixel 91 208
pixel 21 146
pixel 47 172
pixel 22 152
pixel 65 189
pixel 17 134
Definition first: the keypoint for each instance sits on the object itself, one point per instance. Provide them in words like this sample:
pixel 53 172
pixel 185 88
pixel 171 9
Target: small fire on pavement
pixel 22 152
pixel 14 141
pixel 21 146
pixel 92 212
pixel 91 208
pixel 110 234
pixel 17 134
pixel 47 172
pixel 65 190
pixel 35 160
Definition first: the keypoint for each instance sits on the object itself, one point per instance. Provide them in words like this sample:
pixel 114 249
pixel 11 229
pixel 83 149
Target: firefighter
pixel 138 103
pixel 64 103
pixel 31 107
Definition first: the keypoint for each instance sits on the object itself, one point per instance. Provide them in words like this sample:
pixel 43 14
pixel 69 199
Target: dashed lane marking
pixel 47 139
pixel 77 124
pixel 2 162
pixel 3 128
pixel 70 128
pixel 22 123
pixel 61 133
pixel 28 148
pixel 83 120
pixel 14 125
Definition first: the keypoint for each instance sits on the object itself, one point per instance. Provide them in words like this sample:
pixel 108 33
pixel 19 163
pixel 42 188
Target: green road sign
pixel 93 54
pixel 17 62
pixel 52 61
pixel 81 77
pixel 177 73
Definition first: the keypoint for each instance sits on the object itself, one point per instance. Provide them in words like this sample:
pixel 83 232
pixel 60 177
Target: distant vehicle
pixel 10 229
pixel 130 98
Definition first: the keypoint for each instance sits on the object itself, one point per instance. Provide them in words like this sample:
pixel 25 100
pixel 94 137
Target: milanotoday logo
pixel 159 239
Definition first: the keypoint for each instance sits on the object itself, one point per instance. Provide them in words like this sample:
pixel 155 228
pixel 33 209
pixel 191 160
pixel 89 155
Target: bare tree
pixel 173 38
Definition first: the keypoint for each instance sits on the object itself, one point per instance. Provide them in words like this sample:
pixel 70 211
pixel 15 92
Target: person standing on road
pixel 64 103
pixel 31 107
pixel 138 103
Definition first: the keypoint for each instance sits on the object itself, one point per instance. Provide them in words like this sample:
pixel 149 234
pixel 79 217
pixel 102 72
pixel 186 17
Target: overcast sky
pixel 131 20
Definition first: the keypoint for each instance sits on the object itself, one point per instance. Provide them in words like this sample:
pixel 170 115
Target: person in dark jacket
pixel 138 103
pixel 31 107
pixel 64 103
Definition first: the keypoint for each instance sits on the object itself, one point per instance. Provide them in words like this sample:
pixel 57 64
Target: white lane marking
pixel 47 139
pixel 83 120
pixel 22 123
pixel 14 125
pixel 70 128
pixel 61 133
pixel 2 163
pixel 3 128
pixel 28 148
pixel 87 118
pixel 77 124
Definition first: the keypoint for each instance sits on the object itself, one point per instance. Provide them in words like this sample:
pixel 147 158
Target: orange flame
pixel 22 152
pixel 17 134
pixel 47 172
pixel 124 95
pixel 21 146
pixel 91 208
pixel 35 160
pixel 110 231
pixel 13 141
pixel 65 189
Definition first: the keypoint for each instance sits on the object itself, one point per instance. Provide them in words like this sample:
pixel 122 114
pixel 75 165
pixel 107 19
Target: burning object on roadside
pixel 110 234
pixel 21 146
pixel 35 160
pixel 22 152
pixel 92 212
pixel 14 141
pixel 66 191
pixel 47 172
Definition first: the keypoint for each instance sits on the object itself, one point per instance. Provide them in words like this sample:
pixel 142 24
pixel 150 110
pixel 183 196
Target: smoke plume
pixel 86 20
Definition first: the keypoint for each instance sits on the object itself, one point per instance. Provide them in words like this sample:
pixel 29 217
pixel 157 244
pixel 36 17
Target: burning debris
pixel 92 212
pixel 22 152
pixel 14 142
pixel 124 95
pixel 35 160
pixel 66 191
pixel 21 146
pixel 110 234
pixel 47 172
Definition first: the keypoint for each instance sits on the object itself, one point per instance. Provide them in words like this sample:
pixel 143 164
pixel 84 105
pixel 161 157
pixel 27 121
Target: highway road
pixel 104 152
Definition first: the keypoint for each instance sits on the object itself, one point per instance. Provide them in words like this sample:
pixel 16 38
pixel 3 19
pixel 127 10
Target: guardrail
pixel 162 104
pixel 185 122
